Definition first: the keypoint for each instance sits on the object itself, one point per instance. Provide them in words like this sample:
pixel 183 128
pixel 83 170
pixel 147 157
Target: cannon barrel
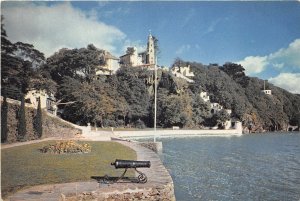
pixel 131 164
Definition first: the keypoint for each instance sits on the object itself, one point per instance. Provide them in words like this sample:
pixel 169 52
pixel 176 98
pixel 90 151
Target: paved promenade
pixel 164 133
pixel 159 183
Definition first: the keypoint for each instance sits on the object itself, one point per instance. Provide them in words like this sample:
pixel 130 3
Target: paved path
pixel 16 144
pixel 87 135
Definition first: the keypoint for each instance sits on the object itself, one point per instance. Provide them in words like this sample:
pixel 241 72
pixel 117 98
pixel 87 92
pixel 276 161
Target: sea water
pixel 250 167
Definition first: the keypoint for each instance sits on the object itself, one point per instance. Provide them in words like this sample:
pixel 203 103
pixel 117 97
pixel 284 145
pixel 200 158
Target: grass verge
pixel 26 166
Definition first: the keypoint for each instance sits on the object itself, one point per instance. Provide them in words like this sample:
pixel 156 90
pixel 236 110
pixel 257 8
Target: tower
pixel 266 91
pixel 150 50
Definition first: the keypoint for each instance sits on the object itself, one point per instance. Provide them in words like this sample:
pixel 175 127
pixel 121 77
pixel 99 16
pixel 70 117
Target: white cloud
pixel 285 59
pixel 254 64
pixel 183 48
pixel 288 81
pixel 110 13
pixel 278 65
pixel 289 56
pixel 50 28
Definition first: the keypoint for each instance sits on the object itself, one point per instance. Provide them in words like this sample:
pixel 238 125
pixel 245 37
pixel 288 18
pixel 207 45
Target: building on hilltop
pixel 183 72
pixel 149 55
pixel 142 59
pixel 131 58
pixel 108 64
pixel 204 96
pixel 266 91
pixel 229 111
pixel 215 107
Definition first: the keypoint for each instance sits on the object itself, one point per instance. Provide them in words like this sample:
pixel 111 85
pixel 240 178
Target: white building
pixel 204 96
pixel 227 124
pixel 267 92
pixel 47 100
pixel 184 70
pixel 215 107
pixel 110 64
pixel 142 59
pixel 229 111
pixel 131 58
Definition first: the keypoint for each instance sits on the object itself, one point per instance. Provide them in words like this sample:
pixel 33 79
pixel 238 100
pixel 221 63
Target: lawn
pixel 26 166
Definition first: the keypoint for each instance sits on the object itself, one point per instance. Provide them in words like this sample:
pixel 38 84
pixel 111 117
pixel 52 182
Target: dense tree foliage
pixel 19 66
pixel 10 67
pixel 79 64
pixel 243 95
pixel 131 85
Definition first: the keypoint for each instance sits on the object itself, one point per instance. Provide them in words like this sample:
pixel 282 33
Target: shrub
pixel 109 123
pixel 4 129
pixel 38 122
pixel 120 122
pixel 139 124
pixel 64 147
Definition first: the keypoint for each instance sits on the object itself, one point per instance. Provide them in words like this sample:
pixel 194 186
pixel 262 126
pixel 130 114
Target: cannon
pixel 125 164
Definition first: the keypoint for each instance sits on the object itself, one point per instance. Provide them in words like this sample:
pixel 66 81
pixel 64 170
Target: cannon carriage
pixel 125 164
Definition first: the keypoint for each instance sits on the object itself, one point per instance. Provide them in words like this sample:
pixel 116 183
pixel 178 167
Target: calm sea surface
pixel 251 167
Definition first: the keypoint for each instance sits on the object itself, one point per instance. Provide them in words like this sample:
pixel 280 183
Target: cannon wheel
pixel 142 178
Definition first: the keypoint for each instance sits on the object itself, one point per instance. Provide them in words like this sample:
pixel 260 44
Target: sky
pixel 264 37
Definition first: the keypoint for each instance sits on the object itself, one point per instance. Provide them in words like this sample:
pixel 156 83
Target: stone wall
pixel 150 194
pixel 52 127
pixel 154 146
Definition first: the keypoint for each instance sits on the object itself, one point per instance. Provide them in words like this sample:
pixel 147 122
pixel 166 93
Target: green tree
pixel 18 61
pixel 218 119
pixel 92 102
pixel 4 129
pixel 135 92
pixel 233 70
pixel 175 110
pixel 22 121
pixel 123 108
pixel 201 110
pixel 79 64
pixel 38 121
pixel 10 66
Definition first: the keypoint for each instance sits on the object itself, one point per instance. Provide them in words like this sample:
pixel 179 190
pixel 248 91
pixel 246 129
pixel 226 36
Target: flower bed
pixel 64 147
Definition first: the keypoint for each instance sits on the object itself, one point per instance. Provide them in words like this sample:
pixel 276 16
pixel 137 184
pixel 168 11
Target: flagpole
pixel 155 97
